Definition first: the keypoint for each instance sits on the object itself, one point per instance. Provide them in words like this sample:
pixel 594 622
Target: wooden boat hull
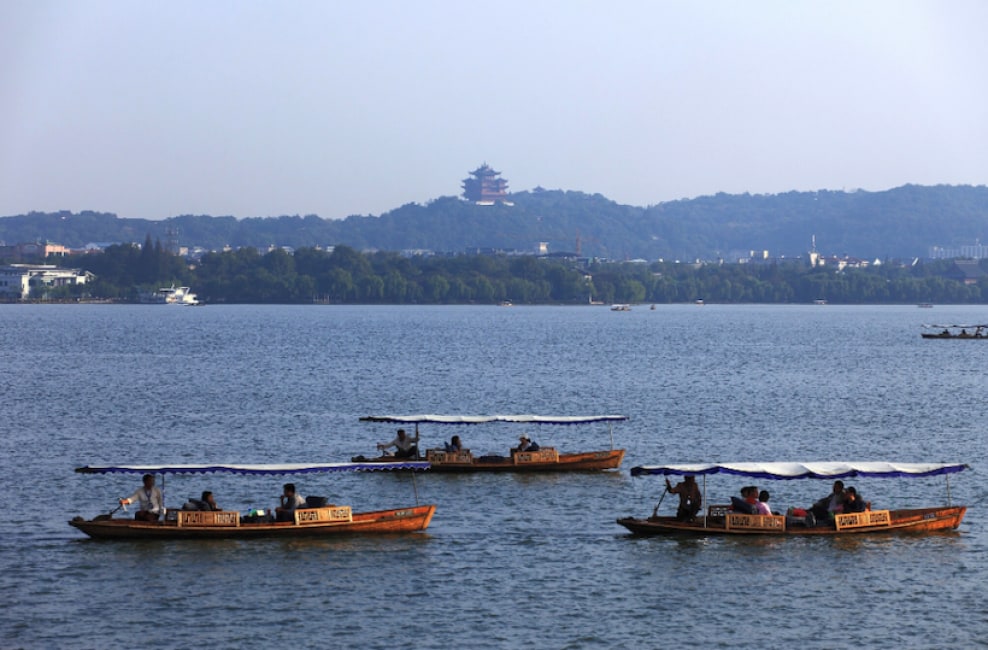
pixel 919 520
pixel 400 520
pixel 955 336
pixel 580 462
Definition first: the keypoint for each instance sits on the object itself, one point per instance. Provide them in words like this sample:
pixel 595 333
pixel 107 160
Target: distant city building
pixel 975 251
pixel 17 280
pixel 33 251
pixel 484 186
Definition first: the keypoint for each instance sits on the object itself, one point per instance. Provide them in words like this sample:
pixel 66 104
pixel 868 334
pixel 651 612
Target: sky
pixel 253 109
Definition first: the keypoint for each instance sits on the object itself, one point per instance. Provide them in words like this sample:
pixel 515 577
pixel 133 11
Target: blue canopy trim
pixel 482 419
pixel 263 469
pixel 789 471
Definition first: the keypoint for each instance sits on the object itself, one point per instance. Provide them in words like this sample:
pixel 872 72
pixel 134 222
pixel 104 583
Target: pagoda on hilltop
pixel 484 186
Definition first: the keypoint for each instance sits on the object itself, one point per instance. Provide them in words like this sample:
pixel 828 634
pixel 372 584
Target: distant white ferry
pixel 171 296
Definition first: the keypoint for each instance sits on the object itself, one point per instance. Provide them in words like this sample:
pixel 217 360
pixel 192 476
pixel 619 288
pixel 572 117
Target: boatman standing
pixel 690 499
pixel 152 505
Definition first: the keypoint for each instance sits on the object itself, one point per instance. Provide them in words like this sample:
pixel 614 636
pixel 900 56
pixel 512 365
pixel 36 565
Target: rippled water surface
pixel 509 561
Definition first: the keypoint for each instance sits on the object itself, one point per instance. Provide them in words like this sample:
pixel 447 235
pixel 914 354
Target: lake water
pixel 509 561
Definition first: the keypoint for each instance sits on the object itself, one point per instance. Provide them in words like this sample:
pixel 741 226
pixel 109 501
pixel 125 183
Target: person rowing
pixel 152 504
pixel 405 445
pixel 690 500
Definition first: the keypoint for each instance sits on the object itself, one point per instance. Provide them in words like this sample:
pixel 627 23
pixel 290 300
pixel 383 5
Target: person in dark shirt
pixel 690 499
pixel 853 501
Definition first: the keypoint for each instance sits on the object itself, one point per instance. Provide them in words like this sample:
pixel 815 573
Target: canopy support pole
pixel 947 476
pixel 610 429
pixel 704 502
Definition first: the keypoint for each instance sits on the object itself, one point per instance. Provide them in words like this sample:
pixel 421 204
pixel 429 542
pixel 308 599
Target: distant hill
pixel 899 223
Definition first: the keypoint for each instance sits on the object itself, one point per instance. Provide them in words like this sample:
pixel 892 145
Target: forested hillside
pixel 901 223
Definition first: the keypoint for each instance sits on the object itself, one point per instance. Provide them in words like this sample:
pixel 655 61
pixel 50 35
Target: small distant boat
pixel 505 303
pixel 652 307
pixel 722 520
pixel 699 301
pixel 171 296
pixel 621 307
pixel 544 459
pixel 820 301
pixel 316 520
pixel 956 332
pixel 925 305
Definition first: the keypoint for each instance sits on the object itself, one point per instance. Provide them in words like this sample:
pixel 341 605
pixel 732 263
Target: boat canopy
pixel 786 471
pixel 940 327
pixel 282 468
pixel 482 419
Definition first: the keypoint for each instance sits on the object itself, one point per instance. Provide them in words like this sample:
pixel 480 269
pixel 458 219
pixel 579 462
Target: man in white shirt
pixel 152 504
pixel 405 445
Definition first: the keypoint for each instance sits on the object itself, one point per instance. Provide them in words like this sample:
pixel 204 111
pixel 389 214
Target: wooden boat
pixel 721 520
pixel 545 459
pixel 326 520
pixel 956 332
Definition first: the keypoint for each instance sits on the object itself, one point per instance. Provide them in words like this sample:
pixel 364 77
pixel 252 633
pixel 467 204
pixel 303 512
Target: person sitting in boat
pixel 405 446
pixel 826 507
pixel 207 502
pixel 853 501
pixel 690 499
pixel 152 504
pixel 454 445
pixel 290 502
pixel 747 504
pixel 762 504
pixel 525 444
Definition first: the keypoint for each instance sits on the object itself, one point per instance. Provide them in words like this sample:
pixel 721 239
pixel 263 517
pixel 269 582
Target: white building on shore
pixel 17 280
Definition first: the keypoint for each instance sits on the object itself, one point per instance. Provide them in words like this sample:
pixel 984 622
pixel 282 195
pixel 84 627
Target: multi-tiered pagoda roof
pixel 484 186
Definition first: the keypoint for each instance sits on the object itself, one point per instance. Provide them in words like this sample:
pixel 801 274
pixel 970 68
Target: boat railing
pixel 443 457
pixel 739 521
pixel 862 519
pixel 543 455
pixel 328 514
pixel 192 518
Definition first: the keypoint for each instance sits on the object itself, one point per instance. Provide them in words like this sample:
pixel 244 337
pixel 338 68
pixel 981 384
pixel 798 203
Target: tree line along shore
pixel 123 273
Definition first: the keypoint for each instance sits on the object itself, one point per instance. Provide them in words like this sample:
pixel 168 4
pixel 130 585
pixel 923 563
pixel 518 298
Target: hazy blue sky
pixel 154 109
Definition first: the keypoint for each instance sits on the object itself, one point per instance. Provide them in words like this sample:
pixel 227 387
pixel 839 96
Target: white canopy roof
pixel 481 419
pixel 823 470
pixel 281 468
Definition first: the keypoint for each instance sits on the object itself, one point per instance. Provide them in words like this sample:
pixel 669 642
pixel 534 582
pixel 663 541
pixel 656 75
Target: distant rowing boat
pixel 545 459
pixel 956 332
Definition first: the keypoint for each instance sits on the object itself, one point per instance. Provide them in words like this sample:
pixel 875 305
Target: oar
pixel 108 515
pixel 664 493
